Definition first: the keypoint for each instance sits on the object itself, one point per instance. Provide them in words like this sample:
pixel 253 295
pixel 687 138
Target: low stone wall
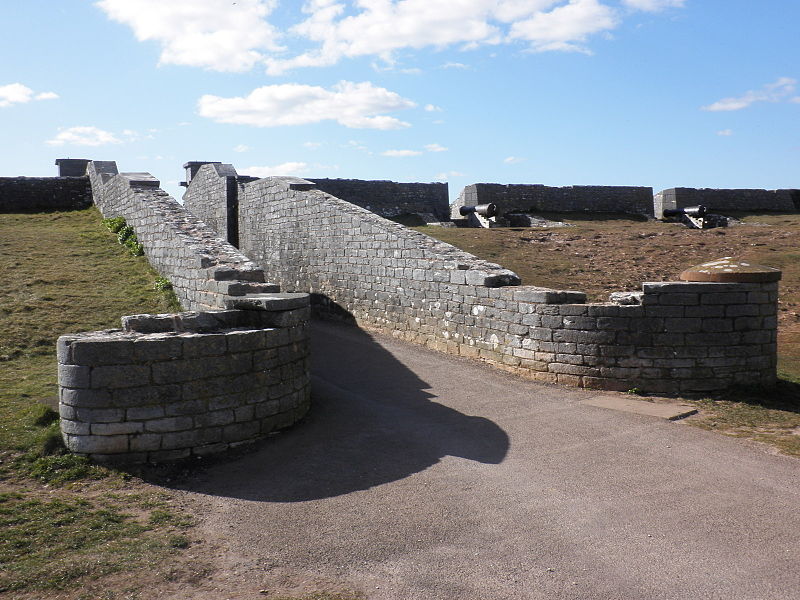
pixel 389 198
pixel 541 198
pixel 720 200
pixel 37 194
pixel 203 268
pixel 681 338
pixel 166 387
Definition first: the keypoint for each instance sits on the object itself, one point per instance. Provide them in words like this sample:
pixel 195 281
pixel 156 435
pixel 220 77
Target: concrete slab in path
pixel 419 476
pixel 663 409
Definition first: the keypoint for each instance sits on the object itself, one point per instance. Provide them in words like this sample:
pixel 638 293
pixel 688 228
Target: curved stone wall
pixel 166 387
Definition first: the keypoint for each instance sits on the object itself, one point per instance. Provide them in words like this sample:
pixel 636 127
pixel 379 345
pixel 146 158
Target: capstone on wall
pixel 166 387
pixel 541 198
pixel 203 268
pixel 679 337
pixel 721 200
pixel 36 194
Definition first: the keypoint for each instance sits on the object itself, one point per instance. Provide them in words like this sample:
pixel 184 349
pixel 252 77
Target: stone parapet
pixel 37 194
pixel 167 387
pixel 200 264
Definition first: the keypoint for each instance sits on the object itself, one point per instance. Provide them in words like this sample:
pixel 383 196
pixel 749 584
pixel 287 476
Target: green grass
pixel 48 543
pixel 66 273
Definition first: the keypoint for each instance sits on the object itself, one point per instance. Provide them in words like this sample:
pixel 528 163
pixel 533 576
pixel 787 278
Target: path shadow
pixel 372 421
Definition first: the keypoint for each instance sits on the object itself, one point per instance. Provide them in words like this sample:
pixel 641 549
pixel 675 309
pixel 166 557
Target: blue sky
pixel 700 93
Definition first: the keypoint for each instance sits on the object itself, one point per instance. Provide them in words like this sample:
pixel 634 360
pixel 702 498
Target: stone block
pixel 169 424
pixel 101 415
pixel 74 427
pixel 73 376
pixel 102 351
pixel 90 444
pixel 269 302
pixel 208 344
pixel 144 413
pixel 85 398
pixel 145 442
pixel 120 376
pixel 157 348
pixel 145 395
pixel 116 428
pixel 241 431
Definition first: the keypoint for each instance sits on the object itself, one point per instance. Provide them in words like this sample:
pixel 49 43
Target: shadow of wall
pixel 372 421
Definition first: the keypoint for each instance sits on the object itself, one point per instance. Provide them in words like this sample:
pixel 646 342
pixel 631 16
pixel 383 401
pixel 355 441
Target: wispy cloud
pixel 435 148
pixel 772 92
pixel 17 93
pixel 725 132
pixel 653 5
pixel 401 153
pixel 448 174
pixel 432 108
pixel 83 136
pixel 512 160
pixel 242 148
pixel 287 168
pixel 355 105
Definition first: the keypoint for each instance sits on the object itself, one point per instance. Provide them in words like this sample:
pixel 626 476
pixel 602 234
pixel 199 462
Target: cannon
pixel 697 217
pixel 698 212
pixel 485 210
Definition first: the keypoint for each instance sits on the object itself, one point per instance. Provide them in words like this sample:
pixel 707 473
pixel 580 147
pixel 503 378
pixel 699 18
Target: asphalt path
pixel 422 476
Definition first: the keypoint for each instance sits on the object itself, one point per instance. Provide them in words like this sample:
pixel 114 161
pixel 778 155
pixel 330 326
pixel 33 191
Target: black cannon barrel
pixel 484 210
pixel 689 211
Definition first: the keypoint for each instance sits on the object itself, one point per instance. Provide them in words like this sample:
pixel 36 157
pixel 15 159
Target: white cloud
pixel 432 108
pixel 355 105
pixel 287 168
pixel 17 93
pixel 312 145
pixel 401 153
pixel 653 5
pixel 448 174
pixel 725 132
pixel 772 92
pixel 435 148
pixel 242 148
pixel 83 136
pixel 565 27
pixel 454 65
pixel 215 34
pixel 512 160
pixel 238 36
pixel 795 100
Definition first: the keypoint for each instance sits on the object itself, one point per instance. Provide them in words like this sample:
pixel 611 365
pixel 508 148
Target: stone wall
pixel 720 200
pixel 203 268
pixel 211 194
pixel 37 194
pixel 680 338
pixel 541 198
pixel 391 199
pixel 166 387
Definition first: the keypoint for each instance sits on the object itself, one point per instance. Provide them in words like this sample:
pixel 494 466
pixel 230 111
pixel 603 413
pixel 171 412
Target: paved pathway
pixel 422 476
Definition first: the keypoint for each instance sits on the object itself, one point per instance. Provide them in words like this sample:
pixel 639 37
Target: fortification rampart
pixel 679 337
pixel 37 194
pixel 390 199
pixel 722 200
pixel 201 265
pixel 541 198
pixel 165 387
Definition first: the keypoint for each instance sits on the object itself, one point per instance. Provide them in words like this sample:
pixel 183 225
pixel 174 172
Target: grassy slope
pixel 62 519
